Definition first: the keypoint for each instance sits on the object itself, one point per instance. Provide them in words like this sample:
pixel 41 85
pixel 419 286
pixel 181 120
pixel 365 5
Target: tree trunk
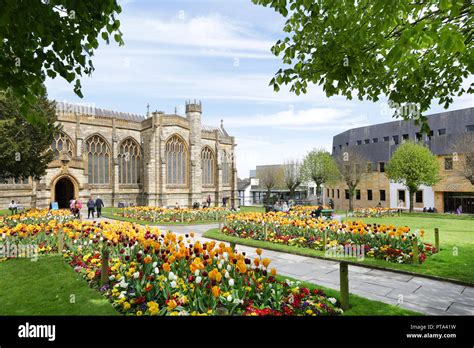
pixel 318 191
pixel 411 193
pixel 351 200
pixel 268 196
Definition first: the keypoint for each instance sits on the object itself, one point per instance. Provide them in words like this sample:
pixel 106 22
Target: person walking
pixel 99 203
pixel 90 208
pixel 76 210
pixel 208 201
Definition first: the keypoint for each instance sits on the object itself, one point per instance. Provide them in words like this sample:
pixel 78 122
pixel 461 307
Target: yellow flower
pixel 259 251
pixel 166 267
pixel 139 313
pixel 172 305
pixel 126 306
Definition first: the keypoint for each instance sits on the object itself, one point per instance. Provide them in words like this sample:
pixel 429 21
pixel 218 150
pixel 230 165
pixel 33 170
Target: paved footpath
pixel 431 297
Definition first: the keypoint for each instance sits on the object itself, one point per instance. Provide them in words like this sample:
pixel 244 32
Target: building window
pixel 470 128
pixel 327 192
pixel 358 194
pixel 369 167
pixel 382 167
pixel 419 197
pixel 332 191
pixel 442 131
pixel 395 139
pixel 418 137
pixel 401 196
pixel 369 195
pixel 359 142
pixel 386 138
pixel 347 194
pixel 382 195
pixel 430 135
pixel 98 160
pixel 176 155
pixel 405 136
pixel 375 140
pixel 347 144
pixel 448 163
pixel 367 141
pixel 62 143
pixel 338 194
pixel 340 147
pixel 226 166
pixel 129 158
pixel 14 181
pixel 311 190
pixel 207 166
pixel 333 148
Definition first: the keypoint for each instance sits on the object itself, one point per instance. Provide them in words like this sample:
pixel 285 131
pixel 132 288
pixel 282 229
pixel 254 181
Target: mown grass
pixel 455 260
pixel 46 287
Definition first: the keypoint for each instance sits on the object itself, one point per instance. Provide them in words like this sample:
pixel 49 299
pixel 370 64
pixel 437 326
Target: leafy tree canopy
pixel 24 146
pixel 411 51
pixel 319 167
pixel 50 38
pixel 413 165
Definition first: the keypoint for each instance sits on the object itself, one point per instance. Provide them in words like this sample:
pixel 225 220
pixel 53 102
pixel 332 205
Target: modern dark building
pixel 378 142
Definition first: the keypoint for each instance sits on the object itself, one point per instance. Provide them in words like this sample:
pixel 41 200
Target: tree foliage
pixel 413 165
pixel 352 165
pixel 24 146
pixel 319 167
pixel 292 175
pixel 270 176
pixel 50 38
pixel 410 51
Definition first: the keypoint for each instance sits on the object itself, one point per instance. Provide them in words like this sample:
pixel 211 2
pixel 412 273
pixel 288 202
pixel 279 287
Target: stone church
pixel 157 160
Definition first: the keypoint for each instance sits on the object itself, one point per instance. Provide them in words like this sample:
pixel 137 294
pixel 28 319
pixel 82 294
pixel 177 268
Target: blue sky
pixel 219 52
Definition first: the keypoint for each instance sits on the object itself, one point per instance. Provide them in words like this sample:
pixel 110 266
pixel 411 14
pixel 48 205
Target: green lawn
pixel 250 208
pixel 455 260
pixel 4 212
pixel 45 287
pixel 358 305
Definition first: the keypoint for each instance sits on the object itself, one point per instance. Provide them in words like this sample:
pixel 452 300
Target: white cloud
pixel 213 31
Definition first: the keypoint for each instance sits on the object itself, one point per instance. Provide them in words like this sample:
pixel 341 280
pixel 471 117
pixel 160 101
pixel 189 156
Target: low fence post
pixel 437 238
pixel 414 244
pixel 324 240
pixel 344 284
pixel 265 231
pixel 182 217
pixel 225 221
pixel 104 274
pixel 220 225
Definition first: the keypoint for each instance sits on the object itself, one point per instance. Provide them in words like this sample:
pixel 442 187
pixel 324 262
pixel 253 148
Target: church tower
pixel 193 115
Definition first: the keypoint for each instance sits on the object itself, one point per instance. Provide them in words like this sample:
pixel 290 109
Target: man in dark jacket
pixel 98 205
pixel 90 208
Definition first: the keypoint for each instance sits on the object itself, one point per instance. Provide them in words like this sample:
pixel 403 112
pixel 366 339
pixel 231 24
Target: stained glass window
pixel 98 160
pixel 129 157
pixel 176 161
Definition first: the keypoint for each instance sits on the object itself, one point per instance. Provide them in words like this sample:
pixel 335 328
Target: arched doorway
pixel 63 192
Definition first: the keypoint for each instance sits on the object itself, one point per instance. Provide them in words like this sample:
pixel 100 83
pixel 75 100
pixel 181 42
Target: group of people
pixel 92 206
pixel 281 206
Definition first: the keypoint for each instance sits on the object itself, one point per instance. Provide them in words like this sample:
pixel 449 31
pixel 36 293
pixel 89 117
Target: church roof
pixel 85 109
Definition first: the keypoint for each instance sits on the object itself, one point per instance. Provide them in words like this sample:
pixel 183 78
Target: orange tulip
pixel 256 262
pixel 259 252
pixel 166 267
pixel 266 262
pixel 216 291
pixel 273 272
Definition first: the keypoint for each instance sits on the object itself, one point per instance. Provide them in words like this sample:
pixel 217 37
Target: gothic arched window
pixel 98 160
pixel 226 167
pixel 62 143
pixel 176 155
pixel 130 158
pixel 207 165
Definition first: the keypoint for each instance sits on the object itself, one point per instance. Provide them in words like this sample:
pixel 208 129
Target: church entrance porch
pixel 63 192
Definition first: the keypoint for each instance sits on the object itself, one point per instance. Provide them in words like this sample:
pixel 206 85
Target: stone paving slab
pixel 393 275
pixel 432 301
pixel 460 309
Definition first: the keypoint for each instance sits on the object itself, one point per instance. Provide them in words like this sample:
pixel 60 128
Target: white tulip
pixel 154 264
pixel 229 298
pixel 173 284
pixel 198 280
pixel 196 273
pixel 136 275
pixel 231 282
pixel 157 271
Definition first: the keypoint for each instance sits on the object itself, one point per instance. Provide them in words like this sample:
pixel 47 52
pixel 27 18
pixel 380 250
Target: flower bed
pixel 155 273
pixel 374 212
pixel 378 241
pixel 164 215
